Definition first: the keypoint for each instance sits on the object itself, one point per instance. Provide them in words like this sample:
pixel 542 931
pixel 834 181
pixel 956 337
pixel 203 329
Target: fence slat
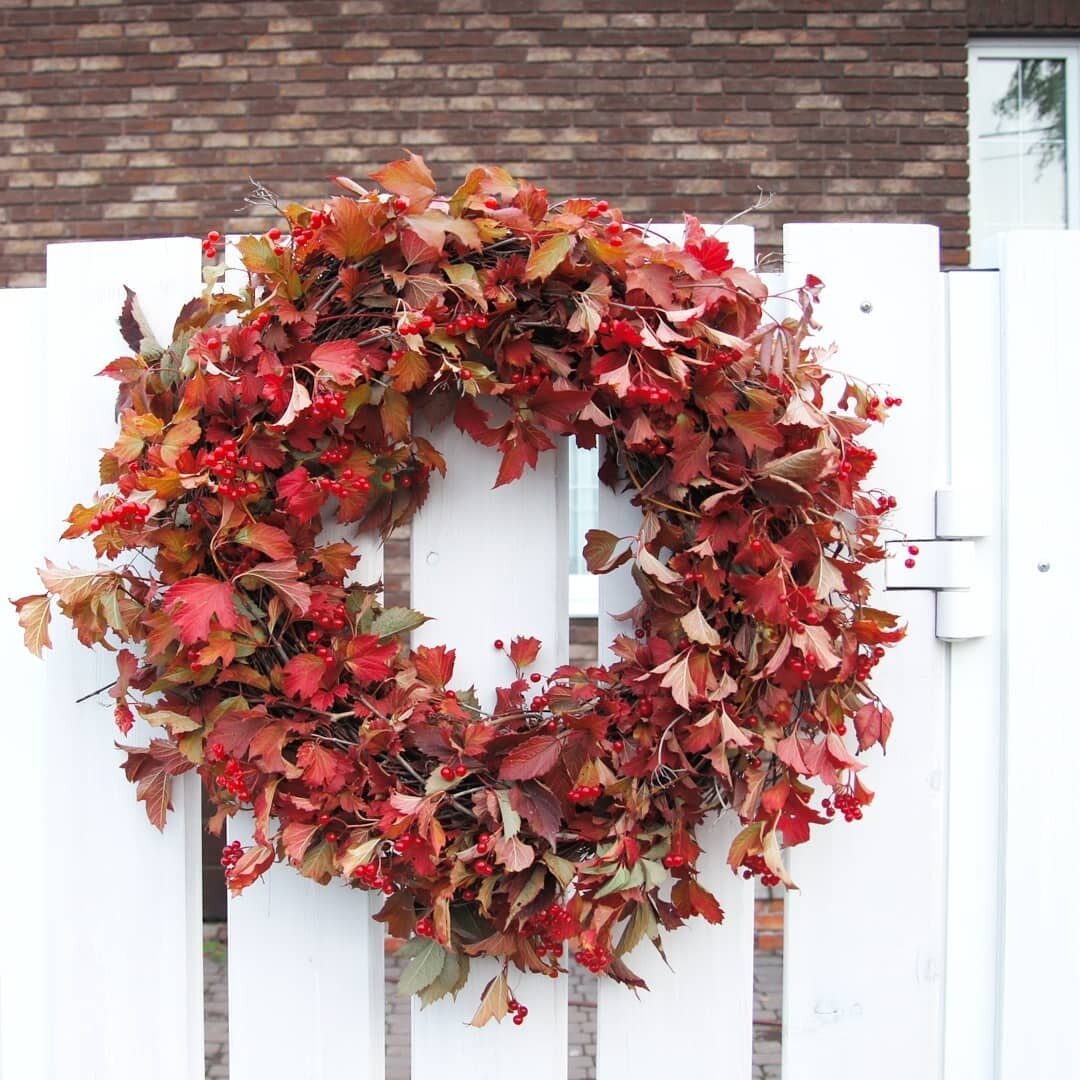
pixel 708 989
pixel 22 923
pixel 1040 972
pixel 491 563
pixel 864 940
pixel 975 722
pixel 123 905
pixel 326 954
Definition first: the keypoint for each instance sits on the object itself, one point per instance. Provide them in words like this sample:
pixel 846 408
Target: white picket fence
pixel 934 939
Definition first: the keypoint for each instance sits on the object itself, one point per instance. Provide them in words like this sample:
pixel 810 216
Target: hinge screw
pixel 866 307
pixel 1043 566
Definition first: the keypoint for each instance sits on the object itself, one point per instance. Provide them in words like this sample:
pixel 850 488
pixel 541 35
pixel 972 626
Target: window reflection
pixel 1018 110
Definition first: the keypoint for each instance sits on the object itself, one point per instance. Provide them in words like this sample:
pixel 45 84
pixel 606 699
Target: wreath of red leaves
pixel 563 822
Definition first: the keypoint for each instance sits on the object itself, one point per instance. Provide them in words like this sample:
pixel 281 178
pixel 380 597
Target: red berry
pixel 499 643
pixel 447 772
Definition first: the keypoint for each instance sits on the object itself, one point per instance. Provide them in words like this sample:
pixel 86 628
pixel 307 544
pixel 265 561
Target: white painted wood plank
pixel 1040 972
pixel 22 902
pixel 864 938
pixel 975 725
pixel 486 564
pixel 708 989
pixel 316 948
pixel 321 940
pixel 123 905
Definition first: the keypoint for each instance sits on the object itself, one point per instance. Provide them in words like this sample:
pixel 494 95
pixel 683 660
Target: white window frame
pixel 1067 49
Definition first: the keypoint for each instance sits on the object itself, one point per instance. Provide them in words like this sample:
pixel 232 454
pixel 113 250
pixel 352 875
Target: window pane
pixel 1019 168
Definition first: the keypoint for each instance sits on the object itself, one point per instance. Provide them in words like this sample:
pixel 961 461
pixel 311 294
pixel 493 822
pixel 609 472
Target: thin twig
pixel 94 693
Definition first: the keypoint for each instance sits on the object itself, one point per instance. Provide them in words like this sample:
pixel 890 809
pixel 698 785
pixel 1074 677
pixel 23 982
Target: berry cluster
pixel 520 1011
pixel 453 772
pixel 328 406
pixel 425 927
pixel 755 864
pixel 585 793
pixel 330 619
pixel 419 324
pixel 673 861
pixel 599 207
pixel 230 856
pixel 233 781
pixel 370 877
pixel 125 514
pixel 551 927
pixel 639 394
pixel 302 234
pixel 866 662
pixel 227 464
pixel 846 803
pixel 209 245
pixel 595 959
pixel 343 484
pixel 464 323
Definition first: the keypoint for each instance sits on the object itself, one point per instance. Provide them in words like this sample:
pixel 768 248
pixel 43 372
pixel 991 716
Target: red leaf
pixel 367 659
pixel 539 808
pixel 323 767
pixel 250 867
pixel 524 650
pixel 303 675
pixel 704 903
pixel 471 419
pixel 303 499
pixel 341 360
pixel 533 757
pixel 124 719
pixel 873 722
pixel 755 429
pixel 193 603
pixel 296 838
pixel 283 576
pixel 434 664
pixel 272 542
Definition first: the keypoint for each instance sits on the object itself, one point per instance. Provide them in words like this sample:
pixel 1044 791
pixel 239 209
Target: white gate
pixel 932 939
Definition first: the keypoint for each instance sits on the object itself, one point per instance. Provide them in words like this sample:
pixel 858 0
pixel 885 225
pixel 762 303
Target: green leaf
pixel 563 869
pixel 454 975
pixel 642 924
pixel 424 968
pixel 397 620
pixel 545 259
pixel 623 878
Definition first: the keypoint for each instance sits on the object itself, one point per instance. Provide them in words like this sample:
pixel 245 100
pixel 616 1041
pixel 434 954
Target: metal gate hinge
pixel 953 564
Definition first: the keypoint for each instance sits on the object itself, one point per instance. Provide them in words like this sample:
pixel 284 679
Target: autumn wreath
pixel 562 822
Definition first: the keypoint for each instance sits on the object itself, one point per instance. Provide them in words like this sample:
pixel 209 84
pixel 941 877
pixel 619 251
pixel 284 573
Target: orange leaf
pixel 409 178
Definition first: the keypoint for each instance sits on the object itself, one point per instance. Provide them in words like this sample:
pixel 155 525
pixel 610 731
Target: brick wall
pixel 123 119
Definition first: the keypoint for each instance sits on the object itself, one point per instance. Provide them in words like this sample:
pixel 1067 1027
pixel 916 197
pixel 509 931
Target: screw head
pixel 866 307
pixel 1043 566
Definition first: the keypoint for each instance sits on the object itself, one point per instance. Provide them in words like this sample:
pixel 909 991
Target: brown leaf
pixel 495 1003
pixel 34 613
